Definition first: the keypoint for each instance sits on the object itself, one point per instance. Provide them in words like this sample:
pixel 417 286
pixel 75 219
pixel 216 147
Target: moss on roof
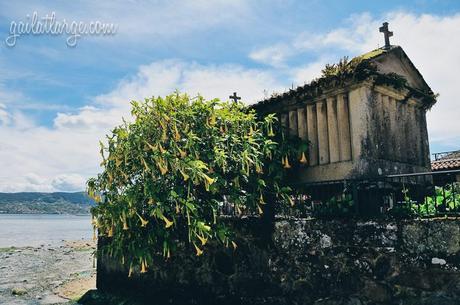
pixel 346 72
pixel 371 54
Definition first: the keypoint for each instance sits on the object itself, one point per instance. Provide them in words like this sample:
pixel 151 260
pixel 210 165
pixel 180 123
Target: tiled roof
pixel 448 162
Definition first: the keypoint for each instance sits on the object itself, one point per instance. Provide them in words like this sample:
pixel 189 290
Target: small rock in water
pixel 18 291
pixel 438 261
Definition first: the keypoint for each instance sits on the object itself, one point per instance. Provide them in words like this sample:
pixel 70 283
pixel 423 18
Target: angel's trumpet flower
pixel 198 250
pixel 143 221
pixel 286 163
pixel 168 223
pixel 261 199
pixel 202 239
pixel 143 267
pixel 303 159
pixel 260 209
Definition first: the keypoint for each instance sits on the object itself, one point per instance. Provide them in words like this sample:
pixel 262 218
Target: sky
pixel 58 100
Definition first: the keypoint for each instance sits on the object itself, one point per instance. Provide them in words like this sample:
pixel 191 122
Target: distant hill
pixel 45 203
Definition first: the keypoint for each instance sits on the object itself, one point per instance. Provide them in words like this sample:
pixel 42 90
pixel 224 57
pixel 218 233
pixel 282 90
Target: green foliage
pixel 338 206
pixel 447 201
pixel 442 202
pixel 165 175
pixel 343 67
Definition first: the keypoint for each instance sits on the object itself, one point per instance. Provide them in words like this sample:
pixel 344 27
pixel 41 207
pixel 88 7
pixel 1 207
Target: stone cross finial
pixel 384 29
pixel 234 97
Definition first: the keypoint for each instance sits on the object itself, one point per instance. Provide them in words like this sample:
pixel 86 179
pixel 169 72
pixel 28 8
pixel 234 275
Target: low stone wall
pixel 308 262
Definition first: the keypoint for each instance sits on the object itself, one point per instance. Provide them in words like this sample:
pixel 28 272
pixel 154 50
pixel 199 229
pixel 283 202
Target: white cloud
pixel 432 43
pixel 68 182
pixel 4 115
pixel 140 21
pixel 275 55
pixel 34 158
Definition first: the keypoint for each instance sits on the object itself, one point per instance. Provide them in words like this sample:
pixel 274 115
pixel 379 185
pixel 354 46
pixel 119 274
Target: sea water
pixel 20 230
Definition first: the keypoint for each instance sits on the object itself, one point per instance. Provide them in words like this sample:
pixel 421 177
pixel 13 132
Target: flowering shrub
pixel 166 175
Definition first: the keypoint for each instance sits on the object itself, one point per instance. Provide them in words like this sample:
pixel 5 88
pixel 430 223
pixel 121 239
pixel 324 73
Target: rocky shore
pixel 57 273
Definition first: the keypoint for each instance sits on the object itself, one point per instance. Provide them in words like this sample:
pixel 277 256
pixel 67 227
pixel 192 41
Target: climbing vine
pixel 166 175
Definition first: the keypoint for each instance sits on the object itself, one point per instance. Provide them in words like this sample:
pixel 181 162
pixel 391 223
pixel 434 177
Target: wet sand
pixel 56 273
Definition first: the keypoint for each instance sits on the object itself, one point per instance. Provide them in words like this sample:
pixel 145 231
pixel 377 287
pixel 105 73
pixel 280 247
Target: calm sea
pixel 21 230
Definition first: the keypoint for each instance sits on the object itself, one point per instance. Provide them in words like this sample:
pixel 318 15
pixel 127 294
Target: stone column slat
pixel 332 127
pixel 302 123
pixel 344 127
pixel 323 138
pixel 293 129
pixel 312 131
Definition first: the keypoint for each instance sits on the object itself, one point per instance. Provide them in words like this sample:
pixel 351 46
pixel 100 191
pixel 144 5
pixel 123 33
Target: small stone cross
pixel 384 29
pixel 234 97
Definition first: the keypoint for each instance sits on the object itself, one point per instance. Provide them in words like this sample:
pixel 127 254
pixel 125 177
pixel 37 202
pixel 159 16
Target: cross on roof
pixel 384 29
pixel 234 97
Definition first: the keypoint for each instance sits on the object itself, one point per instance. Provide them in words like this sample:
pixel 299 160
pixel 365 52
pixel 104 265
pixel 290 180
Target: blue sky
pixel 57 101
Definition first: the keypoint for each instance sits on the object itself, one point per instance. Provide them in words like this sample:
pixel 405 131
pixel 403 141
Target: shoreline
pixel 60 214
pixel 53 273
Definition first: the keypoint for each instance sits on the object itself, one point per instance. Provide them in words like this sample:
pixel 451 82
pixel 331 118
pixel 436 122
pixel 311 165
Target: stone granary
pixel 363 118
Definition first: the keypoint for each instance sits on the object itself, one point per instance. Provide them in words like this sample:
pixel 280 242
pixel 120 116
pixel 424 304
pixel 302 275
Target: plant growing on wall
pixel 166 175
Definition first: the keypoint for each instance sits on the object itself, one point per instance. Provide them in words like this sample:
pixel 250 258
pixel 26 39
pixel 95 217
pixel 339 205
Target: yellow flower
pixel 110 232
pixel 238 210
pixel 168 223
pixel 260 209
pixel 125 224
pixel 184 175
pixel 163 167
pixel 202 239
pixel 212 120
pixel 153 148
pixel 143 267
pixel 182 153
pixel 208 181
pixel 286 163
pixel 261 199
pixel 303 159
pixel 176 133
pixel 143 221
pixel 198 250
pixel 130 270
pixel 145 164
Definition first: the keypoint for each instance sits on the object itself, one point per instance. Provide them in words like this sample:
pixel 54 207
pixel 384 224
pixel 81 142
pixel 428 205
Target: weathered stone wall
pixel 359 131
pixel 308 262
